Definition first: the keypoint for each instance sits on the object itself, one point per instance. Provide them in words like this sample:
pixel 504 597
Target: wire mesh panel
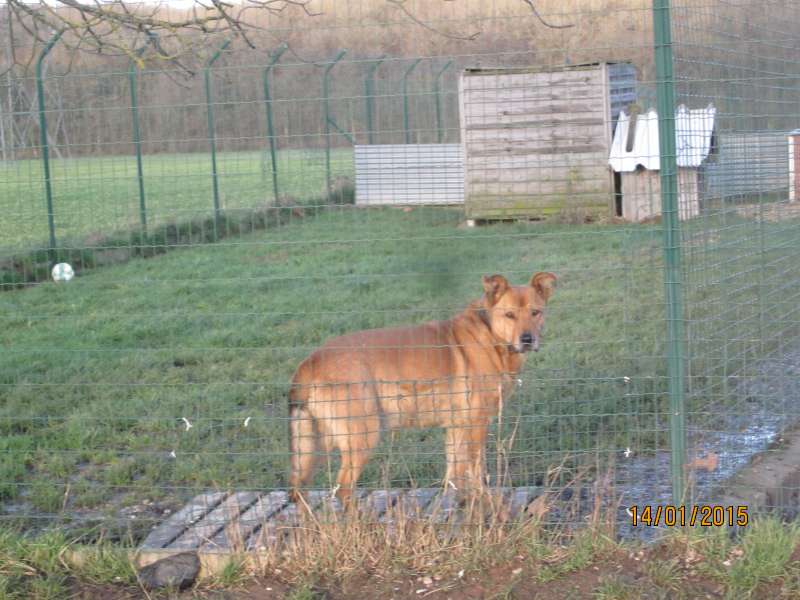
pixel 244 321
pixel 740 254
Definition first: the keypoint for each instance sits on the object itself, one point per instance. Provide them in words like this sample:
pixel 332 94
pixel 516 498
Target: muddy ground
pixel 621 575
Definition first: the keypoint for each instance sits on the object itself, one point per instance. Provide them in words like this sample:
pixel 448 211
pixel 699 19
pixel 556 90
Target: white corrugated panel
pixel 409 174
pixel 693 130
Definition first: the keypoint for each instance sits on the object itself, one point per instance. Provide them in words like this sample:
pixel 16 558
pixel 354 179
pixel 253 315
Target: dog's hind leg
pixel 356 436
pixel 303 446
pixel 355 455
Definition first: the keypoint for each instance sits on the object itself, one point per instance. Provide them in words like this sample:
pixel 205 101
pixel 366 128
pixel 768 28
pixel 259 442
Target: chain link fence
pixel 227 214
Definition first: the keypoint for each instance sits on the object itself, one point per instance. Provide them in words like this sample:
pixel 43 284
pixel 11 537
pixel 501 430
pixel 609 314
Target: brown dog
pixel 448 374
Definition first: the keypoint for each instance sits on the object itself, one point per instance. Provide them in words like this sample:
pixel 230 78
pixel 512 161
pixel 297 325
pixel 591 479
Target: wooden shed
pixel 536 141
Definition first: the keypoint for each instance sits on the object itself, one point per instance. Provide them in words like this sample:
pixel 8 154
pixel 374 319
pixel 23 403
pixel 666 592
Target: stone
pixel 176 571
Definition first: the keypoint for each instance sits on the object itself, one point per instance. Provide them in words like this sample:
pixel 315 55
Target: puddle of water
pixel 646 480
pixel 762 411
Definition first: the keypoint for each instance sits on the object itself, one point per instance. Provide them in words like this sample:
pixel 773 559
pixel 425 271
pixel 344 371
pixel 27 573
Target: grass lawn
pixel 101 377
pixel 93 197
pixel 98 374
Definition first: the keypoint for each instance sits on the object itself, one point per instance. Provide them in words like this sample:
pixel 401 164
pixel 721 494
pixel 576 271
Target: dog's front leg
pixel 457 457
pixel 465 447
pixel 475 474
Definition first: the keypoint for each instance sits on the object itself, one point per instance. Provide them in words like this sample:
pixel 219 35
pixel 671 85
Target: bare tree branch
pixel 401 5
pixel 233 22
pixel 542 21
pixel 117 27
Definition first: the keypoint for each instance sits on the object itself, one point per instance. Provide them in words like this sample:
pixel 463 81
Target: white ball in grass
pixel 62 272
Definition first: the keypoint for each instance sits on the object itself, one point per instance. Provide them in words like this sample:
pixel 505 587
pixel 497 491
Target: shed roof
pixel 693 131
pixel 538 68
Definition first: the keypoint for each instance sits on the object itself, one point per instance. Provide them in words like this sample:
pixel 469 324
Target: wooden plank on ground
pixel 237 532
pixel 379 501
pixel 220 522
pixel 180 521
pixel 520 498
pixel 213 522
pixel 410 504
pixel 282 521
pixel 441 509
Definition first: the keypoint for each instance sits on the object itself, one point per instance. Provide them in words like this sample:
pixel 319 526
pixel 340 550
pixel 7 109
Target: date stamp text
pixel 702 515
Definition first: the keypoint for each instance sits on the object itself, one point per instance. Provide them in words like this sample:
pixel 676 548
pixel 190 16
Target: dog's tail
pixel 302 439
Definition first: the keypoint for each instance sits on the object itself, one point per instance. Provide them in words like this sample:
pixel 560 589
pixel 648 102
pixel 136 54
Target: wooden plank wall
pixel 641 194
pixel 536 143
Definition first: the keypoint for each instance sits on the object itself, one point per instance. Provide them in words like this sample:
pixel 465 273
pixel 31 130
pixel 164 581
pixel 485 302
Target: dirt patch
pixel 619 573
pixel 90 591
pixel 771 480
pixel 673 569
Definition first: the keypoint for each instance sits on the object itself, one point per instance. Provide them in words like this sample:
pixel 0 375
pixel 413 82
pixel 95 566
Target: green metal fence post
pixel 369 96
pixel 437 91
pixel 672 245
pixel 327 109
pixel 270 127
pixel 405 99
pixel 137 138
pixel 211 137
pixel 48 189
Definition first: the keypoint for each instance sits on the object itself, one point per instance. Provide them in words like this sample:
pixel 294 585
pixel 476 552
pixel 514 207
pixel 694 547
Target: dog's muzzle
pixel 528 342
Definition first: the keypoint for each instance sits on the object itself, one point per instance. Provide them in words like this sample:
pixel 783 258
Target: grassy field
pixel 97 375
pixel 94 197
pixel 100 376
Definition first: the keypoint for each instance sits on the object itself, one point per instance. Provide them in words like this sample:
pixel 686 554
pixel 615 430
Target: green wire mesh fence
pixel 740 285
pixel 228 213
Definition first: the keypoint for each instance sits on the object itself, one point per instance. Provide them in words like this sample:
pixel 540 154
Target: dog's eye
pixel 535 312
pixel 511 315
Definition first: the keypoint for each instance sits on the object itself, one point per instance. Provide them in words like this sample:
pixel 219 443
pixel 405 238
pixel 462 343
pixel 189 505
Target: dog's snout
pixel 528 342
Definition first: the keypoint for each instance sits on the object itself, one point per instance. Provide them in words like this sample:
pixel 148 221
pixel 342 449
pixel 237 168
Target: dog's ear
pixel 544 283
pixel 494 286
